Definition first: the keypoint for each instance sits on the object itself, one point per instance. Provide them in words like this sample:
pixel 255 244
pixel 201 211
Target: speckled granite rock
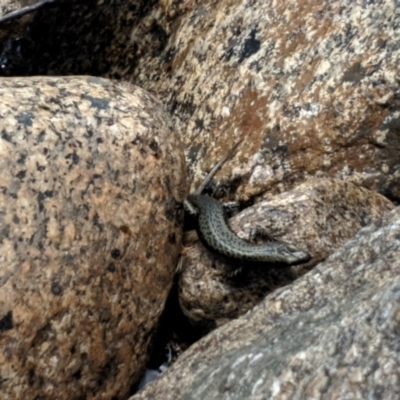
pixel 318 216
pixel 333 334
pixel 313 87
pixel 91 175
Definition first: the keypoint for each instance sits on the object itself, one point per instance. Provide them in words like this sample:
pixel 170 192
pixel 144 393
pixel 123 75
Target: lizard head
pixel 290 254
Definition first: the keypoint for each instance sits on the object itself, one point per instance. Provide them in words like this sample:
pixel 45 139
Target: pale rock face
pixel 91 176
pixel 332 334
pixel 319 216
pixel 7 6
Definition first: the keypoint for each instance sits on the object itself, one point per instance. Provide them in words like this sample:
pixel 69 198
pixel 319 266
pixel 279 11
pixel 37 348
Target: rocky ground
pixel 94 175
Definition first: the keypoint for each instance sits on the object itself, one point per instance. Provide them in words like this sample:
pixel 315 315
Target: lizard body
pixel 216 236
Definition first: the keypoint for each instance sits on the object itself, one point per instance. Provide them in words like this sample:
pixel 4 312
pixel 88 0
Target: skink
pixel 215 234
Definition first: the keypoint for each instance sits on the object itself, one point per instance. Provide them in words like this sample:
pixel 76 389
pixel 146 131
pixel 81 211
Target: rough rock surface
pixel 68 37
pixel 7 6
pixel 318 216
pixel 332 334
pixel 91 173
pixel 312 87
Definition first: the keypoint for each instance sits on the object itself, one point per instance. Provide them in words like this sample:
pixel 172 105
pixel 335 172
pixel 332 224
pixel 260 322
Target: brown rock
pixel 312 88
pixel 91 176
pixel 318 216
pixel 332 334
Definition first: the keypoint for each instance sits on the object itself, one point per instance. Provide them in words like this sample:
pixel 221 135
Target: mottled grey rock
pixel 90 232
pixel 7 6
pixel 318 216
pixel 332 334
